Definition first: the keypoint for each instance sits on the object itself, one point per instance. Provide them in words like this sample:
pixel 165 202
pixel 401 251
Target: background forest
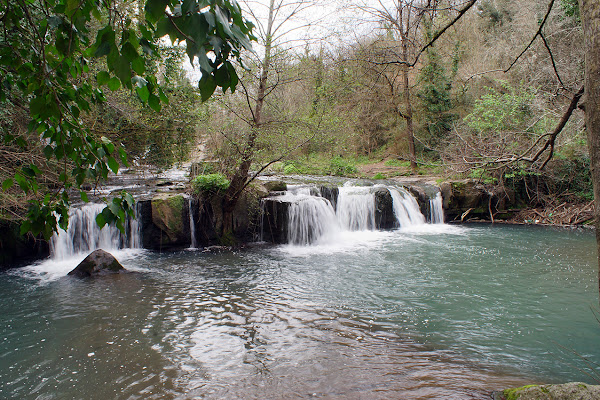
pixel 348 89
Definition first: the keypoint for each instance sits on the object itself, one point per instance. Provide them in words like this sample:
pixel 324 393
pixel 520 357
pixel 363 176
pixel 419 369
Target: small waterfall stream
pixel 84 236
pixel 312 218
pixel 356 208
pixel 193 241
pixel 406 208
pixel 436 209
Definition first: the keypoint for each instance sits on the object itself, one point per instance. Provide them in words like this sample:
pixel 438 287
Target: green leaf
pixel 114 83
pixel 155 9
pixel 25 227
pixel 100 220
pixel 204 61
pixel 123 71
pixel 37 105
pixel 207 86
pixel 22 181
pixel 102 78
pixel 84 196
pixel 154 102
pixel 188 6
pixel 7 184
pixel 143 93
pixel 138 65
pixel 223 21
pixel 123 156
pixel 113 165
pixel 48 151
pixel 222 77
pixel 163 96
pixel 233 77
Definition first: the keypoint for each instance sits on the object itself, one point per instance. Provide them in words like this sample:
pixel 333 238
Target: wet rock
pixel 275 220
pixel 164 183
pixel 165 222
pixel 384 210
pixel 16 249
pixel 331 194
pixel 567 391
pixel 99 262
pixel 275 186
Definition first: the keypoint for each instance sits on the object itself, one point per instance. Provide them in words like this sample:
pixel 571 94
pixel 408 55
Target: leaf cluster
pixel 46 47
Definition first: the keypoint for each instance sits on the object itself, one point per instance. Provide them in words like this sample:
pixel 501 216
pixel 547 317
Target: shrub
pixel 290 169
pixel 341 167
pixel 210 183
pixel 379 175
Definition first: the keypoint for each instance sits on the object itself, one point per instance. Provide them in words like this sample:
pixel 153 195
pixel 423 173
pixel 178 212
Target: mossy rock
pixel 167 214
pixel 567 391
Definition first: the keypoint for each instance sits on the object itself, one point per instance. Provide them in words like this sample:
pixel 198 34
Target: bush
pixel 290 169
pixel 341 167
pixel 210 183
pixel 379 175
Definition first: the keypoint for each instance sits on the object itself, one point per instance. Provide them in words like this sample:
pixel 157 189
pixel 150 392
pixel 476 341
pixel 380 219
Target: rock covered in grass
pixel 567 391
pixel 99 262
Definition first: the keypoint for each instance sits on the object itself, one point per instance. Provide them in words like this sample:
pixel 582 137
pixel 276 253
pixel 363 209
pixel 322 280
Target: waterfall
pixel 356 208
pixel 436 209
pixel 406 208
pixel 310 216
pixel 83 234
pixel 193 243
pixel 306 214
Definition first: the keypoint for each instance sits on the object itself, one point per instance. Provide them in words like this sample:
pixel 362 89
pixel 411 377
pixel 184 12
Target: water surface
pixel 419 313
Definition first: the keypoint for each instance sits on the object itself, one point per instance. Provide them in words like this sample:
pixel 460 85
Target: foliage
pixel 505 109
pixel 495 12
pixel 379 175
pixel 571 9
pixel 435 97
pixel 341 167
pixel 210 183
pixel 45 48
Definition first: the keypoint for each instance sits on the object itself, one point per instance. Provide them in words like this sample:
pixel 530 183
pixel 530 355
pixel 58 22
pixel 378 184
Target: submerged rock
pixel 99 262
pixel 567 391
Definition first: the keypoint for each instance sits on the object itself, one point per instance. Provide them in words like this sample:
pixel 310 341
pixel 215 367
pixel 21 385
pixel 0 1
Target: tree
pixel 590 19
pixel 45 51
pixel 273 35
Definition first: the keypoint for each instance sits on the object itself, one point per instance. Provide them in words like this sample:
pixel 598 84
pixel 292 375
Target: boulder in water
pixel 99 262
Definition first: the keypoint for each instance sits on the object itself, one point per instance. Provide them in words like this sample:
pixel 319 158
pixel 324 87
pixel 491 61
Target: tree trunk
pixel 408 116
pixel 239 179
pixel 590 19
pixel 408 112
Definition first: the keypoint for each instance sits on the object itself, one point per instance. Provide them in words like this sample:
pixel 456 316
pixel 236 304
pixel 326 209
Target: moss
pixel 167 214
pixel 228 239
pixel 514 394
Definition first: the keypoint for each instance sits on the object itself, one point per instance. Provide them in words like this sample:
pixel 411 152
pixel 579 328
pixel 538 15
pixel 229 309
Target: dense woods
pixel 487 90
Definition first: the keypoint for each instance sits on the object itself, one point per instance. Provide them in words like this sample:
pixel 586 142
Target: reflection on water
pixel 416 314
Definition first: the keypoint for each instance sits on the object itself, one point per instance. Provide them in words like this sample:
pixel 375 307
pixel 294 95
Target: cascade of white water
pixel 406 208
pixel 436 209
pixel 310 218
pixel 356 208
pixel 83 234
pixel 193 243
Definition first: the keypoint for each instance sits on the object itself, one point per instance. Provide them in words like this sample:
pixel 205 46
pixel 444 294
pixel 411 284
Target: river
pixel 417 313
